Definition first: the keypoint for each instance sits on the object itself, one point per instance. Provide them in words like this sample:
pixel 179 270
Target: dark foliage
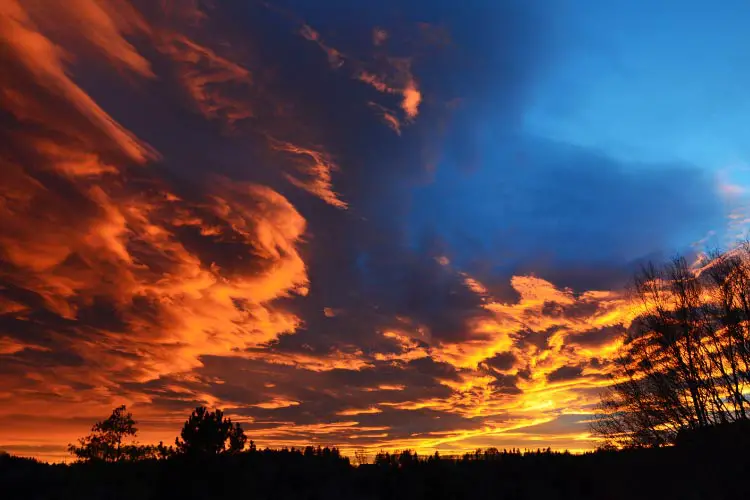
pixel 105 442
pixel 701 469
pixel 210 433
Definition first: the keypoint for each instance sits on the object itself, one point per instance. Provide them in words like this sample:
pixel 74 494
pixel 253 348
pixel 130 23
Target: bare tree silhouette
pixel 684 362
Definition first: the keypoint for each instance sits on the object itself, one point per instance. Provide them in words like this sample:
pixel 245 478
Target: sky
pixel 368 225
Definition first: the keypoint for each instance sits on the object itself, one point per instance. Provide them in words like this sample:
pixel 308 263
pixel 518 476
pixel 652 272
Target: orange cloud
pixel 335 360
pixel 102 26
pixel 12 346
pixel 388 75
pixel 187 11
pixel 399 80
pixel 388 116
pixel 80 232
pixel 318 167
pixel 335 58
pixel 120 287
pixel 359 411
pixel 536 393
pixel 409 348
pixel 33 59
pixel 209 79
pixel 412 99
pixel 330 312
pixel 385 387
pixel 277 403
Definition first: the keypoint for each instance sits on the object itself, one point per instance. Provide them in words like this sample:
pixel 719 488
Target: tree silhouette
pixel 237 439
pixel 685 363
pixel 106 439
pixel 209 433
pixel 360 457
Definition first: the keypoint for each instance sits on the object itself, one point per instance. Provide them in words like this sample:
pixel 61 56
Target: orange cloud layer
pixel 120 284
pixel 78 232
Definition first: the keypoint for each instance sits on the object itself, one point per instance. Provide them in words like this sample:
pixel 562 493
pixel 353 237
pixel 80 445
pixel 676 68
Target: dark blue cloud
pixel 535 205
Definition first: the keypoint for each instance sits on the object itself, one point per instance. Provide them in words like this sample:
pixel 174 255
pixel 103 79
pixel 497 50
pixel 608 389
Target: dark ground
pixel 690 471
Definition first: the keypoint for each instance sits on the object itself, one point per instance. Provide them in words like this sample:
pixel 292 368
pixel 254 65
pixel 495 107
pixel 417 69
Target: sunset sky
pixel 364 224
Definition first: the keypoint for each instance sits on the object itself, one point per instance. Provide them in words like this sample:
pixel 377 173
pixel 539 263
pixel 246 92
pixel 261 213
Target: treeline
pixel 404 458
pixel 209 433
pixel 323 473
pixel 212 459
pixel 684 366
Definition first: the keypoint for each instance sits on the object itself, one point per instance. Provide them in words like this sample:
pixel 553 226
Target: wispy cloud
pixel 318 170
pixel 209 79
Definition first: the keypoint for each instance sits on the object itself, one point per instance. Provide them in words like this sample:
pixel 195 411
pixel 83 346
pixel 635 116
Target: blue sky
pixel 663 81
